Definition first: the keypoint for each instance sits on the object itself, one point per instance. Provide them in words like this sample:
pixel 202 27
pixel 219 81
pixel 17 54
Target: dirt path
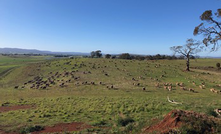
pixel 17 107
pixel 64 127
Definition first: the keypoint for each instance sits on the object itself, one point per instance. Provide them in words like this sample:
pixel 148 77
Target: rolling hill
pixel 35 51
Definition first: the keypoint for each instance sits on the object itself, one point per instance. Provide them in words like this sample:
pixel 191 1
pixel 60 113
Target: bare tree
pixel 189 49
pixel 211 29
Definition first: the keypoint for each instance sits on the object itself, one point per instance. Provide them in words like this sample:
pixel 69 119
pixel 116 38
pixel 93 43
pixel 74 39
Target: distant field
pixel 8 63
pixel 99 92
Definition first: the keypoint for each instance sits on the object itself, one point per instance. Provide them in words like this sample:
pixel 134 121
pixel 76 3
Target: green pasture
pixel 98 105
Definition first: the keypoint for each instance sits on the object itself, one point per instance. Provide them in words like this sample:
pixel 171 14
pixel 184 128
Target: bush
pixel 29 129
pixel 211 112
pixel 201 125
pixel 124 121
pixel 125 56
pixel 218 65
pixel 107 56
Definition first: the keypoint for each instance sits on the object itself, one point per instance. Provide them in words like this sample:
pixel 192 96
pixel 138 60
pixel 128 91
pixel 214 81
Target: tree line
pixel 127 56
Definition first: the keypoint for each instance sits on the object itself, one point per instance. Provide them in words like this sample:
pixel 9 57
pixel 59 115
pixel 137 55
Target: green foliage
pixel 30 129
pixel 211 112
pixel 211 29
pixel 218 65
pixel 100 106
pixel 125 56
pixel 196 125
pixel 108 56
pixel 129 127
pixel 124 121
pixel 99 123
pixel 96 54
pixel 207 15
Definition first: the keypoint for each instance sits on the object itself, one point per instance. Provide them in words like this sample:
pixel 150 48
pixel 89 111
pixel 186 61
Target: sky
pixel 112 26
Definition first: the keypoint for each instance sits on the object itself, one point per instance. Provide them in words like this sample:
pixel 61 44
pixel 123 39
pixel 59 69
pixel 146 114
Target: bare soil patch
pixel 167 124
pixel 64 127
pixel 16 107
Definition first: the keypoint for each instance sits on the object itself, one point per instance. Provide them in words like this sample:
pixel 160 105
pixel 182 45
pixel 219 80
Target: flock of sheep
pixel 71 73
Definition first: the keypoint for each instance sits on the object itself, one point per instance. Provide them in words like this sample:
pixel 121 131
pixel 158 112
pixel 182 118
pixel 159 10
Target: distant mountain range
pixel 34 51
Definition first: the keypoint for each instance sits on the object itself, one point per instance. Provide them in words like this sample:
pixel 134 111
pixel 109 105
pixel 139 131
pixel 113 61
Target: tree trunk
pixel 188 63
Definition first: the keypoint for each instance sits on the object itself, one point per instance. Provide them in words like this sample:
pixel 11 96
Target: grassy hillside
pixel 101 92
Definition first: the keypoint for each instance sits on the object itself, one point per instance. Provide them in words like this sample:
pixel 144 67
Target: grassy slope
pixel 97 104
pixel 9 63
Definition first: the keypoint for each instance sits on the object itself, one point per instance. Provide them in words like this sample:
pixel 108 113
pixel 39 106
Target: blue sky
pixel 113 26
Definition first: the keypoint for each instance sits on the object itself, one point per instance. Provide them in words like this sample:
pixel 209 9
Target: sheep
pixel 136 84
pixel 165 87
pixel 191 90
pixel 62 84
pixel 143 88
pixel 200 86
pixel 170 88
pixel 165 84
pixel 216 91
pixel 178 84
pixel 162 76
pixel 157 85
pixel 181 84
pixel 93 83
pixel 212 90
pixel 183 88
pixel 140 77
pixel 77 83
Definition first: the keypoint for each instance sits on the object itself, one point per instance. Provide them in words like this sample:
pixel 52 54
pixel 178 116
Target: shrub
pixel 6 104
pixel 211 112
pixel 125 56
pixel 124 121
pixel 29 129
pixel 108 56
pixel 218 65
